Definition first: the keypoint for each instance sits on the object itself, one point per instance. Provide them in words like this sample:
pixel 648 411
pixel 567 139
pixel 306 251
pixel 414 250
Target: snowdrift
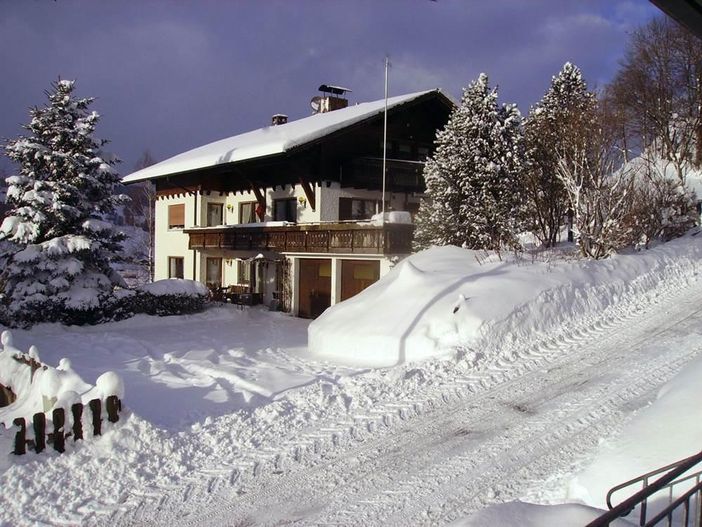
pixel 447 298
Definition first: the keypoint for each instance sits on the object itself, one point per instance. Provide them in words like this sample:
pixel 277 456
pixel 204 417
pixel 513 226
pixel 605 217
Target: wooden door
pixel 356 275
pixel 314 286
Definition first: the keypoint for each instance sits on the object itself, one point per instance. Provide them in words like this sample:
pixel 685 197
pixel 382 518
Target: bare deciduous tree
pixel 658 93
pixel 599 188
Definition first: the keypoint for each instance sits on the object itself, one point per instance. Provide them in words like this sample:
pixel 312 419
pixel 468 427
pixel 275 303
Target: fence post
pixel 20 436
pixel 77 411
pixel 113 406
pixel 96 409
pixel 39 423
pixel 59 418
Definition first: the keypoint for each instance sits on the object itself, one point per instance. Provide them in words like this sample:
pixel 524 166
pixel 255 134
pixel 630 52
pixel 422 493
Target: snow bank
pixel 446 298
pixel 175 286
pixel 518 514
pixel 664 432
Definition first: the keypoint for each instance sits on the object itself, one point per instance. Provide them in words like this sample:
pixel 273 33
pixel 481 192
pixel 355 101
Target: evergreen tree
pixel 60 246
pixel 473 178
pixel 552 130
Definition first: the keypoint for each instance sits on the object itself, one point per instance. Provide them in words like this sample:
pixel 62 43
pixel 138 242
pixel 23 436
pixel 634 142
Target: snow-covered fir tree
pixel 552 130
pixel 60 246
pixel 473 178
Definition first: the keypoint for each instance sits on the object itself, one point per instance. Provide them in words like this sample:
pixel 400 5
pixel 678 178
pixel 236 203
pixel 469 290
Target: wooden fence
pixel 58 436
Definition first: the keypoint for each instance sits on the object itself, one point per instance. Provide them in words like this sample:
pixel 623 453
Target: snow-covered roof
pixel 269 140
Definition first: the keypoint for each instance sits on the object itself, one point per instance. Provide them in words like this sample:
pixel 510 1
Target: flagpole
pixel 385 132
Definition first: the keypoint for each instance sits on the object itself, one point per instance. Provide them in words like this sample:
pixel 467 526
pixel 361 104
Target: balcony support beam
pixel 309 191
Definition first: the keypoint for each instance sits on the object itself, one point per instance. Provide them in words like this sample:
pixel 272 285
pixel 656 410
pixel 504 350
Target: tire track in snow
pixel 312 451
pixel 360 494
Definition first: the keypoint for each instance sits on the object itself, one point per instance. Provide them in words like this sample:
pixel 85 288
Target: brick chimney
pixel 330 99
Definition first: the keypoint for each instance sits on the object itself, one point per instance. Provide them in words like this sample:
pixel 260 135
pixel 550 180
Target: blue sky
pixel 172 75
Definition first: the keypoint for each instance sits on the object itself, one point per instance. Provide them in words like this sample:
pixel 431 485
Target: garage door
pixel 356 275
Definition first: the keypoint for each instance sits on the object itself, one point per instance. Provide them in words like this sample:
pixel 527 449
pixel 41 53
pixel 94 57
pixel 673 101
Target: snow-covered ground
pixel 529 370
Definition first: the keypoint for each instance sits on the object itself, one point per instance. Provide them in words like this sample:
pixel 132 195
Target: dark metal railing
pixel 672 478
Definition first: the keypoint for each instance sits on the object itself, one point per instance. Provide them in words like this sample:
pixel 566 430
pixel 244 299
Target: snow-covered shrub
pixel 151 299
pixel 661 209
pixel 173 296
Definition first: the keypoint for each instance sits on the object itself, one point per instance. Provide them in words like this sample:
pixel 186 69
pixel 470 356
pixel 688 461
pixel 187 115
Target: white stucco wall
pixel 172 242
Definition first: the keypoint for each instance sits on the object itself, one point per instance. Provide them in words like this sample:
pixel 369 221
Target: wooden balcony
pixel 346 238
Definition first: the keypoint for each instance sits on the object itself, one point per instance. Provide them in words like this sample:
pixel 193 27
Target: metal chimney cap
pixel 335 90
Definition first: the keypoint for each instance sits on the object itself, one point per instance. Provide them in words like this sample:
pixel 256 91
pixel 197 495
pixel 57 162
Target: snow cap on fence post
pixel 33 352
pixel 50 384
pixel 6 339
pixel 109 383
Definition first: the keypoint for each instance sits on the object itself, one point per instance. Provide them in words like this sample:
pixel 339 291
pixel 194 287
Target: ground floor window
pixel 244 273
pixel 175 267
pixel 213 272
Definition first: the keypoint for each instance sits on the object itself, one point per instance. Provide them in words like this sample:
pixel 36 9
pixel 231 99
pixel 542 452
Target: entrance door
pixel 314 286
pixel 356 275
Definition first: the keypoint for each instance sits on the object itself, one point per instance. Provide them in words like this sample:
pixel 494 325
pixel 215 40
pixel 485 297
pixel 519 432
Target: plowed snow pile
pixel 447 298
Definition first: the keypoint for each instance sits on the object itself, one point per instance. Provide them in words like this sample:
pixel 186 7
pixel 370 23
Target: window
pixel 176 216
pixel 285 209
pixel 175 267
pixel 404 151
pixel 357 209
pixel 247 212
pixel 213 272
pixel 215 214
pixel 244 273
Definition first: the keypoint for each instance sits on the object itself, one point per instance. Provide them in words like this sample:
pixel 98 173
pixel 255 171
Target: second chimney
pixel 279 118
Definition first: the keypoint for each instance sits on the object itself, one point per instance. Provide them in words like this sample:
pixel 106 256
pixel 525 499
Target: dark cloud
pixel 172 75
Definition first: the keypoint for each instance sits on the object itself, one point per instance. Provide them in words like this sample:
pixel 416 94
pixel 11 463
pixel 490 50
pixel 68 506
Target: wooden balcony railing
pixel 351 238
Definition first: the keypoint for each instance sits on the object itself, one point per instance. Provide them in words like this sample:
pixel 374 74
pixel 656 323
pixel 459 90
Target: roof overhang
pixel 271 144
pixel 687 13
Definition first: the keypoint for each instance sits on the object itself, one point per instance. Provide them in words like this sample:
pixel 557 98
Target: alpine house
pixel 283 215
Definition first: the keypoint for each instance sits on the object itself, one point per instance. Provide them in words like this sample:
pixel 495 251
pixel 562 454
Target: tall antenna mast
pixel 385 131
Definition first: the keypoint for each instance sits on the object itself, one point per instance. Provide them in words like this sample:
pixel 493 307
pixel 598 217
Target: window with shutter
pixel 176 216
